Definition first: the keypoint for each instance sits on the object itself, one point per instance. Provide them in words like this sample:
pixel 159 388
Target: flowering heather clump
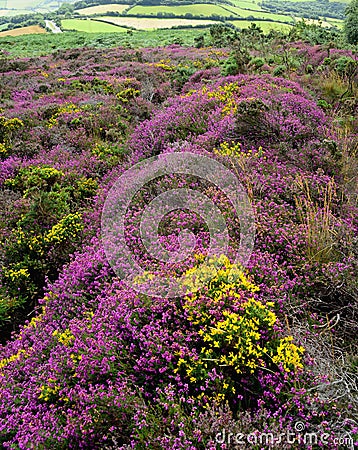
pixel 94 364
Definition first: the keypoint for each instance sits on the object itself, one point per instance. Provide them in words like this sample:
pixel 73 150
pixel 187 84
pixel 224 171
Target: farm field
pixel 247 4
pixel 265 26
pixel 144 23
pixel 207 10
pixel 34 29
pixel 90 26
pixel 324 23
pixel 100 9
pixel 12 12
pixel 194 9
pixel 260 14
pixel 336 22
pixel 15 7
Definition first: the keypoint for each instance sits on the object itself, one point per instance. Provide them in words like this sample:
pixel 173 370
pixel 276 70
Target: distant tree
pixel 223 35
pixel 351 22
pixel 65 8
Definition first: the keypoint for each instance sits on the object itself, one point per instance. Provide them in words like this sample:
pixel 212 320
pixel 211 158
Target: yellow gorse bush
pixel 221 280
pixel 234 149
pixel 67 108
pixel 238 336
pixel 15 274
pixel 288 354
pixel 126 94
pixel 50 391
pixel 68 227
pixel 7 129
pixel 66 338
pixel 3 149
pixel 225 94
pixel 164 64
pixel 4 362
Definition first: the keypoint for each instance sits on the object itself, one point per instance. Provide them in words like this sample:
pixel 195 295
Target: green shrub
pixel 279 71
pixel 257 62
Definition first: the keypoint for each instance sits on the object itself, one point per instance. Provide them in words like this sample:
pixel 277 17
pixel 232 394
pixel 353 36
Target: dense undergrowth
pixel 260 349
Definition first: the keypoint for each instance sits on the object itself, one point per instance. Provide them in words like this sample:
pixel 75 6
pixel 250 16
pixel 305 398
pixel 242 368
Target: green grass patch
pixel 265 26
pixel 90 26
pixel 260 14
pixel 247 4
pixel 336 23
pixel 38 45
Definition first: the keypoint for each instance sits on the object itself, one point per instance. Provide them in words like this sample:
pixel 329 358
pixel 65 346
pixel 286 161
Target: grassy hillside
pixel 34 45
pixel 90 26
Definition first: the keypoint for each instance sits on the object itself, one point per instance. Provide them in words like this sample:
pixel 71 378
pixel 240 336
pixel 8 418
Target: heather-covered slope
pixel 256 349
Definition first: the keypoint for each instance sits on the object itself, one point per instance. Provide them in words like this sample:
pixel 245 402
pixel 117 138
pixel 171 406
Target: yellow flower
pixel 66 338
pixel 288 354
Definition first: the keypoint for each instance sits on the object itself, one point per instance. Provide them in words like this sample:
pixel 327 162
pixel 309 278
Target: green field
pixel 37 45
pixel 265 26
pixel 90 26
pixel 247 4
pixel 336 22
pixel 260 14
pixel 143 23
pixel 200 9
pixel 101 9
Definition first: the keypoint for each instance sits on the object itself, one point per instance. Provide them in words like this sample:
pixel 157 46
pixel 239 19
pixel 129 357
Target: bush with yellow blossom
pixel 238 335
